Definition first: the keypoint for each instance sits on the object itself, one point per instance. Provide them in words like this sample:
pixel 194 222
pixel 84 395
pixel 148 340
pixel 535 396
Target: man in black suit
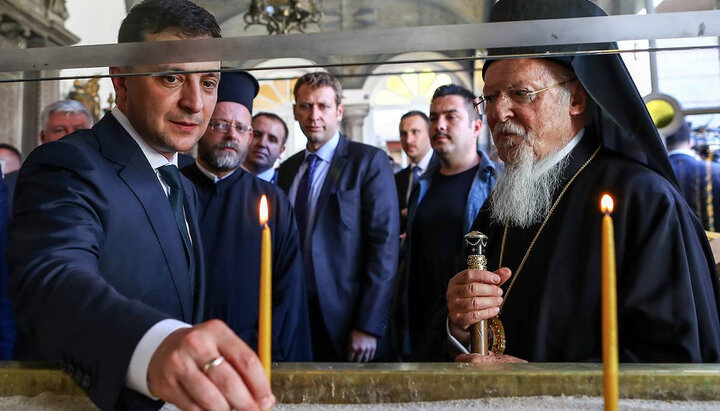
pixel 105 252
pixel 346 207
pixel 415 140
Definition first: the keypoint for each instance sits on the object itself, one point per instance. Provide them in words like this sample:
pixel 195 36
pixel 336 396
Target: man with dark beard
pixel 569 130
pixel 441 210
pixel 231 232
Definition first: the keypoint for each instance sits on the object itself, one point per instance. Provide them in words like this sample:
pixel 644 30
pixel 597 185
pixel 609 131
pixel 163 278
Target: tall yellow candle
pixel 609 308
pixel 265 309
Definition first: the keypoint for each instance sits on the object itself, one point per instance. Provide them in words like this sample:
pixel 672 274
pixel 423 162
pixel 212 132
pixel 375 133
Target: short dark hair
pixel 12 148
pixel 277 118
pixel 456 90
pixel 184 18
pixel 416 113
pixel 682 135
pixel 320 79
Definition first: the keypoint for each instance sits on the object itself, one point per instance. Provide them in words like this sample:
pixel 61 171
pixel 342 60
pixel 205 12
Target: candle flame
pixel 606 204
pixel 263 210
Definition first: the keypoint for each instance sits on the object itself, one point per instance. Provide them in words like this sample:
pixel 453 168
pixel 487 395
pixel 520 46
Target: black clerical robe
pixel 666 279
pixel 231 235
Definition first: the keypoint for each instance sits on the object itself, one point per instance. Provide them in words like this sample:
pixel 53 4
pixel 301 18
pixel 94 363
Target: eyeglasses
pixel 521 96
pixel 224 126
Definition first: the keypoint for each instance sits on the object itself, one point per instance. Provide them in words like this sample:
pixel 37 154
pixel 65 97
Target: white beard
pixel 524 193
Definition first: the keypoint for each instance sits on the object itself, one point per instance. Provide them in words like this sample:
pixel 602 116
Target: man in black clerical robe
pixel 231 232
pixel 596 139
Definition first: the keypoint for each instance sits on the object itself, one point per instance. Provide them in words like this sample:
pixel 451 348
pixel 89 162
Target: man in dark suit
pixel 346 207
pixel 270 134
pixel 415 140
pixel 699 179
pixel 105 253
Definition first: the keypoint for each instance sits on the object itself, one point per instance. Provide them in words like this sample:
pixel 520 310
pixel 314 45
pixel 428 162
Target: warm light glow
pixel 606 204
pixel 263 210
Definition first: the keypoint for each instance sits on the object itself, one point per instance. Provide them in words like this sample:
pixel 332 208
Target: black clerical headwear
pixel 621 119
pixel 238 87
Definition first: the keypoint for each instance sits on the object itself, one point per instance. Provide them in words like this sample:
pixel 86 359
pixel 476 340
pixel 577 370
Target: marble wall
pixel 28 24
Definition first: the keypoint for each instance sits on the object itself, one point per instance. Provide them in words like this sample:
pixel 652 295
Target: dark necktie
pixel 171 176
pixel 302 197
pixel 302 211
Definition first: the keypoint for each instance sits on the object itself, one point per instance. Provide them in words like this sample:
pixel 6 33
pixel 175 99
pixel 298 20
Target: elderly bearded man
pixel 569 130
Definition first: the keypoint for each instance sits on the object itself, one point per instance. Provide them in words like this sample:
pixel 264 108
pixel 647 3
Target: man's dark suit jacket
pixel 354 239
pixel 695 177
pixel 7 322
pixel 97 258
pixel 402 181
pixel 10 179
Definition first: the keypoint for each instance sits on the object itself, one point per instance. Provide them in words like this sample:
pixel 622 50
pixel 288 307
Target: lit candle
pixel 265 309
pixel 609 308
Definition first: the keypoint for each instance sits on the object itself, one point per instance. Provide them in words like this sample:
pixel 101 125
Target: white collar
pixel 267 175
pixel 209 174
pixel 423 164
pixel 327 151
pixel 155 159
pixel 686 151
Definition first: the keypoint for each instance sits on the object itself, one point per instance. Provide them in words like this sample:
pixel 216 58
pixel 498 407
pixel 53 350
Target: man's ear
pixel 119 83
pixel 340 111
pixel 477 126
pixel 578 101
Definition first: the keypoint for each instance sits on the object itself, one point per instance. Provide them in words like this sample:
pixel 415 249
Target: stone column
pixel 353 119
pixel 12 36
pixel 27 24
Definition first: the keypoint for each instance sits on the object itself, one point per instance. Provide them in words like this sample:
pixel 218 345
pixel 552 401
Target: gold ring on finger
pixel 213 363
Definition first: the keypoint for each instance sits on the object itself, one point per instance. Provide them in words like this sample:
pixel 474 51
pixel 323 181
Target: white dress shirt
pixel 212 176
pixel 267 175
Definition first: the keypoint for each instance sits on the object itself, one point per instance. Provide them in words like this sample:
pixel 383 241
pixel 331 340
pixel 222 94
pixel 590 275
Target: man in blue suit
pixel 346 206
pixel 105 253
pixel 699 180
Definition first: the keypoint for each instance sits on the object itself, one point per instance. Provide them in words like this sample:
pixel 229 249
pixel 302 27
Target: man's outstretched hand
pixel 186 370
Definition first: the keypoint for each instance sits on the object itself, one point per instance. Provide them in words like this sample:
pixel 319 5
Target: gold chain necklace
pixel 537 234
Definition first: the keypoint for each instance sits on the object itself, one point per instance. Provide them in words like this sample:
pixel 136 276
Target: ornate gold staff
pixel 475 243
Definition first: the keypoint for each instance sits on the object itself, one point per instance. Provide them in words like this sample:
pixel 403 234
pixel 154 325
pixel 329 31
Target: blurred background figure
pixel 59 119
pixel 62 118
pixel 699 178
pixel 10 158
